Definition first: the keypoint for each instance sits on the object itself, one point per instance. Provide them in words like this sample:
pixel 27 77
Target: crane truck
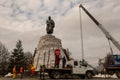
pixel 112 61
pixel 72 68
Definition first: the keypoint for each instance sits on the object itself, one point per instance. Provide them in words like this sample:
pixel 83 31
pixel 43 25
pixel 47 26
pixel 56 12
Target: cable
pixel 110 46
pixel 81 35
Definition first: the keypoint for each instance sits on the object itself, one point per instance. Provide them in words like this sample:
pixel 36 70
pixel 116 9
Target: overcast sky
pixel 25 20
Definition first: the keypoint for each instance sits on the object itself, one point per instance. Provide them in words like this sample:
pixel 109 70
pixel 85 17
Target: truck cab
pixel 82 68
pixel 116 61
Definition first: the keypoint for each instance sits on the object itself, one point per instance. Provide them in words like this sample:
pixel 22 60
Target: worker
pixel 14 72
pixel 57 59
pixel 63 62
pixel 41 71
pixel 32 70
pixel 21 71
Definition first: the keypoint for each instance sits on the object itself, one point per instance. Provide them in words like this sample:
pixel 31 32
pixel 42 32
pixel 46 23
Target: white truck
pixel 74 68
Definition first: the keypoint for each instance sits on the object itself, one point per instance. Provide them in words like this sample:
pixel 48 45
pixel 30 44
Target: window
pixel 118 56
pixel 75 63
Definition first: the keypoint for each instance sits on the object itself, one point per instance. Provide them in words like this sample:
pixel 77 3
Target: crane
pixel 107 34
pixel 112 62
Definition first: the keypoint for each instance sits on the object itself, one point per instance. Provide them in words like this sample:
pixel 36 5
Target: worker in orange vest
pixel 21 71
pixel 14 72
pixel 32 70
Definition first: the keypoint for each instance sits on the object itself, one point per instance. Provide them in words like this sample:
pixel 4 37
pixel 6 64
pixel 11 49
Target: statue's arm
pixel 53 22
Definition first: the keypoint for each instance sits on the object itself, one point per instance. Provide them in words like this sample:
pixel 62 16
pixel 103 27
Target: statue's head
pixel 49 17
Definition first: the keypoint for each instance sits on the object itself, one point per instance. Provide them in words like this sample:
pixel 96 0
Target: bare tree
pixel 4 57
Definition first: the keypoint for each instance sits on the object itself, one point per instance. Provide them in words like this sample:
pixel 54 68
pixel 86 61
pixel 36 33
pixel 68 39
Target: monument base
pixel 45 51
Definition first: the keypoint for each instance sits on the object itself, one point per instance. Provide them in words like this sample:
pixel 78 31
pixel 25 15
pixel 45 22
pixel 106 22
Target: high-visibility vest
pixel 32 69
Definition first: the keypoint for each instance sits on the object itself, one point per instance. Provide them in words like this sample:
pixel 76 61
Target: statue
pixel 50 25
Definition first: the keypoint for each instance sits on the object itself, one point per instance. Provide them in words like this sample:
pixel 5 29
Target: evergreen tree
pixel 17 57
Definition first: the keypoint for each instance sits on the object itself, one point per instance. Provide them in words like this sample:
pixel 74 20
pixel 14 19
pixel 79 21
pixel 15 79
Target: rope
pixel 81 35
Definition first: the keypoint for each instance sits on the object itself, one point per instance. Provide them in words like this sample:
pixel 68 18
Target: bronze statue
pixel 50 25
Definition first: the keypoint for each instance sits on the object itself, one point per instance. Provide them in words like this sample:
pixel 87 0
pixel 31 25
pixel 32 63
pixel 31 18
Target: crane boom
pixel 107 34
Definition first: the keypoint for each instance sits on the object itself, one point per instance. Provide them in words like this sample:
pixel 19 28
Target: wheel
pixel 55 74
pixel 89 75
pixel 118 74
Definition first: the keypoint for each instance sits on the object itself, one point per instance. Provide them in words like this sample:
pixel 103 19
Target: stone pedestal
pixel 45 51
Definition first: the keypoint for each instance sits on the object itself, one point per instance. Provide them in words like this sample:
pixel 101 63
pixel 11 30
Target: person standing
pixel 21 71
pixel 63 62
pixel 14 72
pixel 57 58
pixel 32 70
pixel 41 71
